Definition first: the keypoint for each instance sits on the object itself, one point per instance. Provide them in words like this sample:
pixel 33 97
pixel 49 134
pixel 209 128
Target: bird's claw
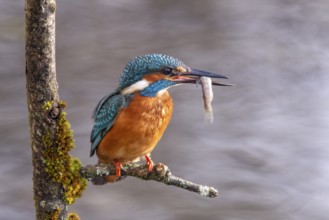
pixel 149 163
pixel 118 166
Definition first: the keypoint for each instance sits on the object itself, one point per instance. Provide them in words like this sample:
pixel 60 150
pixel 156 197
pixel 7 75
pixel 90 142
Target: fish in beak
pixel 205 79
pixel 193 76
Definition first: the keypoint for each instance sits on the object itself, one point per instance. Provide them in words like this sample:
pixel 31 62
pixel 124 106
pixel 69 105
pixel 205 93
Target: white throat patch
pixel 138 86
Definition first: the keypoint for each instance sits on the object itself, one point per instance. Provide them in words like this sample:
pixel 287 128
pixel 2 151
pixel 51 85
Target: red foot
pixel 149 163
pixel 118 166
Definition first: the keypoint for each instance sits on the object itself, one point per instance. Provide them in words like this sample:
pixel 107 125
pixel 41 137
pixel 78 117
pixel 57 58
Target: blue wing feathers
pixel 104 117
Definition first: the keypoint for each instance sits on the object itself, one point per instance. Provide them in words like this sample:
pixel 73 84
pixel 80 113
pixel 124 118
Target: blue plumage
pixel 104 116
pixel 141 65
pixel 109 106
pixel 154 88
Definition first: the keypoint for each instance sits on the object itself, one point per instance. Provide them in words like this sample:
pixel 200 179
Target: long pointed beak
pixel 193 76
pixel 196 72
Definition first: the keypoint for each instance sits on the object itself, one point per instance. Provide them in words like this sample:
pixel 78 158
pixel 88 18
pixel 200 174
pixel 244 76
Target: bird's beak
pixel 193 76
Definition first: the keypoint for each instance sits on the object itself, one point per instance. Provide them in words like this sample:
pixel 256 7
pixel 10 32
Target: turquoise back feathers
pixel 104 116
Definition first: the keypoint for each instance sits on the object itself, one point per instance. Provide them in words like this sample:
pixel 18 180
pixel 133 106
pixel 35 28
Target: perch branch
pixel 161 173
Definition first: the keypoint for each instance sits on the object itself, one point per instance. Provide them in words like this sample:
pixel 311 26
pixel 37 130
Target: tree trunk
pixel 42 93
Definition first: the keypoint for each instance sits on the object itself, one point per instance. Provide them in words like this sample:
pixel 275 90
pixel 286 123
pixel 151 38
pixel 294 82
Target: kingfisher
pixel 130 121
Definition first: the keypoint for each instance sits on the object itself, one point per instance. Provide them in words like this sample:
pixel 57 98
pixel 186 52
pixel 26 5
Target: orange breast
pixel 137 129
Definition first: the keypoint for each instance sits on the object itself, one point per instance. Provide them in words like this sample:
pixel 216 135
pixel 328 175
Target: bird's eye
pixel 167 71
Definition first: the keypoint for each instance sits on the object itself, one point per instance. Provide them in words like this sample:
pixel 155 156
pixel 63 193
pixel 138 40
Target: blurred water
pixel 267 150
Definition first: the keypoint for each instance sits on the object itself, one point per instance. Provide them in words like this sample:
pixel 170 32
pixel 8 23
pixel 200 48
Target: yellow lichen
pixel 73 216
pixel 47 105
pixel 56 214
pixel 59 164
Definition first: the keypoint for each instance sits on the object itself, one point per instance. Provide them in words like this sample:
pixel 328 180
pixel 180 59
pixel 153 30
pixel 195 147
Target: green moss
pixel 47 140
pixel 59 164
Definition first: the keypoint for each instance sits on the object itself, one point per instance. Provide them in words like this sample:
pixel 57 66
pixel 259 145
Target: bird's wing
pixel 104 117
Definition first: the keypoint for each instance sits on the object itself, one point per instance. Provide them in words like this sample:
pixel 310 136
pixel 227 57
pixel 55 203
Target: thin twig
pixel 160 173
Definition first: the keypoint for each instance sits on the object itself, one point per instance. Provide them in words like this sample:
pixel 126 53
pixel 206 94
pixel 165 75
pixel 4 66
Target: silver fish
pixel 208 96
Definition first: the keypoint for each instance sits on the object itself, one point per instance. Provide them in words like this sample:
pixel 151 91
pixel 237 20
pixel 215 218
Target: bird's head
pixel 153 73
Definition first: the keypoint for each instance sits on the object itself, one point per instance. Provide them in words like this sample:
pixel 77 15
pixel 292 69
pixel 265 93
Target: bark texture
pixel 160 173
pixel 42 98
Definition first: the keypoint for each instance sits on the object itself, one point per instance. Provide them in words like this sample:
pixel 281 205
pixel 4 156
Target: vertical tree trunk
pixel 41 95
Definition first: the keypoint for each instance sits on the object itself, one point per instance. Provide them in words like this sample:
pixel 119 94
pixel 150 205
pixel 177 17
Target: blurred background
pixel 267 150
